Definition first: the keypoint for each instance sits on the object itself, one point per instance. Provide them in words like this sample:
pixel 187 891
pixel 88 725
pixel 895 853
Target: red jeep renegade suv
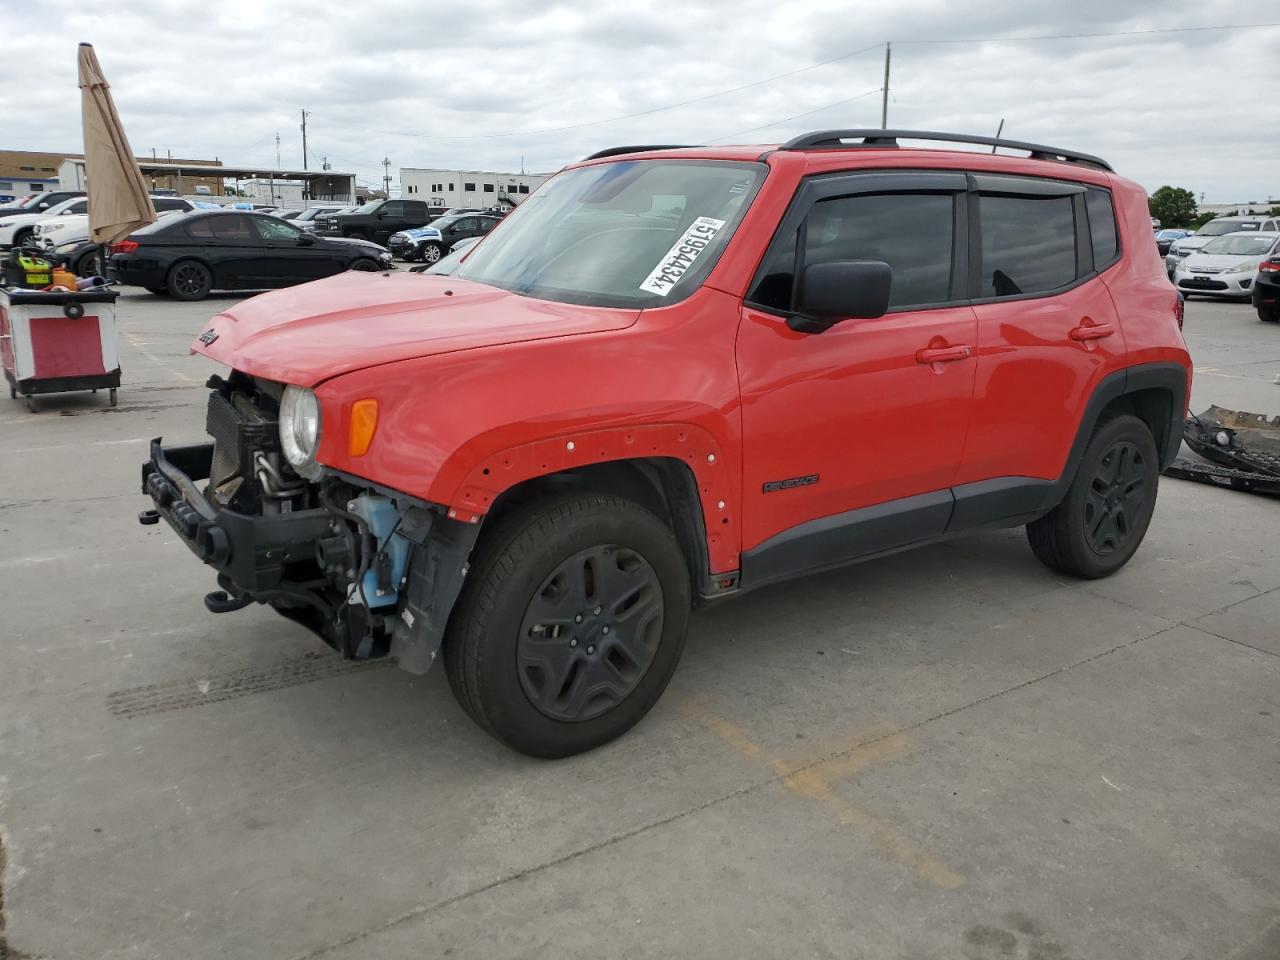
pixel 674 374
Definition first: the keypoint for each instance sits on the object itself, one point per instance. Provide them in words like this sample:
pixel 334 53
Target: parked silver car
pixel 1218 227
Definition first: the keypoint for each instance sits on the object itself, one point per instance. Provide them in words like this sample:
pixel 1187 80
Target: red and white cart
pixel 58 342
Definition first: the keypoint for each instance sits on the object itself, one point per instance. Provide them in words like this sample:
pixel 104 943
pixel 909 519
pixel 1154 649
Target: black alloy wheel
pixel 189 280
pixel 590 633
pixel 1115 498
pixel 1106 510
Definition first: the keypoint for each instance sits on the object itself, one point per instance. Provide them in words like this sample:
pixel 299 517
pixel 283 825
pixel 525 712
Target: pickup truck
pixel 377 221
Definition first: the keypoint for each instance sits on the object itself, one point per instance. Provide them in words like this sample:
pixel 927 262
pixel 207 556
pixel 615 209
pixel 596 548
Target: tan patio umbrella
pixel 118 201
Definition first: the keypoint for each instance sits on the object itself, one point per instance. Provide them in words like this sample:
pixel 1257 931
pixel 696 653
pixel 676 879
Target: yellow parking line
pixel 813 781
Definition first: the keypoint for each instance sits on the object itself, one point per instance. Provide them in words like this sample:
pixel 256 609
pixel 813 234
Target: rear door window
pixel 200 230
pixel 1028 244
pixel 235 229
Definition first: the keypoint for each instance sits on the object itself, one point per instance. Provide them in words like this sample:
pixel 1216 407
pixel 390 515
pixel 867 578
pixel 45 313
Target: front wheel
pixel 1097 527
pixel 365 265
pixel 1269 314
pixel 432 252
pixel 189 280
pixel 570 625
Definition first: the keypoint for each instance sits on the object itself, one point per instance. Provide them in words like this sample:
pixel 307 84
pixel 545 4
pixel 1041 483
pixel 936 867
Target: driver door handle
pixel 944 354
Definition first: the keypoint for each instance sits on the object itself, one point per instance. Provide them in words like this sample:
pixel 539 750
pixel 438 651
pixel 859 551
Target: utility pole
pixel 273 172
pixel 386 177
pixel 304 139
pixel 884 101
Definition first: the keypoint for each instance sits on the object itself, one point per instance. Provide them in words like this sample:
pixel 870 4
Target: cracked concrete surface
pixel 947 753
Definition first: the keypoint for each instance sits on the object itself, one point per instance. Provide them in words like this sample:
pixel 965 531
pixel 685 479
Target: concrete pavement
pixel 949 753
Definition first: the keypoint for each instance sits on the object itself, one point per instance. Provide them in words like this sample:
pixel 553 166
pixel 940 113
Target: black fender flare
pixel 1171 377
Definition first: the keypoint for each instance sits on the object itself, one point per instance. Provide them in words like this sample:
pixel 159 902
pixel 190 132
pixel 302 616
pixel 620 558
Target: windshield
pixel 1239 246
pixel 632 233
pixel 1216 228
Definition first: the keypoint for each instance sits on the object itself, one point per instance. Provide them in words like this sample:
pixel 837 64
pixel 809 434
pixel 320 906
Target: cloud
pixel 485 83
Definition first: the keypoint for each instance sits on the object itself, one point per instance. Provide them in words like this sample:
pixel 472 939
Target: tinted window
pixel 231 228
pixel 1028 244
pixel 487 224
pixel 200 229
pixel 162 204
pixel 467 224
pixel 911 232
pixel 1102 227
pixel 270 229
pixel 393 208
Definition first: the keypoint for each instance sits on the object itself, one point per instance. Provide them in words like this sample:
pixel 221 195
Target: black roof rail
pixel 638 148
pixel 834 140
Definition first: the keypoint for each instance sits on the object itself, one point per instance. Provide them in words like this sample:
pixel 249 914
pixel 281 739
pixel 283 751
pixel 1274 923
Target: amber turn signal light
pixel 364 420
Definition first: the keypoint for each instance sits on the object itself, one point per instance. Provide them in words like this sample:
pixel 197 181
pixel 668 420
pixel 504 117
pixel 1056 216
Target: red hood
pixel 307 334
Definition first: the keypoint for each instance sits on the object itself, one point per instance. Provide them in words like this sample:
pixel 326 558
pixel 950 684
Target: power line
pixel 643 113
pixel 774 123
pixel 824 63
pixel 1090 36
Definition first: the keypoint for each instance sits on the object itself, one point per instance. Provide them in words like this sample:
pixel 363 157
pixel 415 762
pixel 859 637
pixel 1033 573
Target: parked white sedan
pixel 1226 266
pixel 15 231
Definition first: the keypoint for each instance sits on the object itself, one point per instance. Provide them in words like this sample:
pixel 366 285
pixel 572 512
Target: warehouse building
pixel 467 188
pixel 24 172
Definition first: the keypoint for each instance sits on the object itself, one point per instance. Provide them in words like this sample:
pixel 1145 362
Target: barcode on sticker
pixel 679 259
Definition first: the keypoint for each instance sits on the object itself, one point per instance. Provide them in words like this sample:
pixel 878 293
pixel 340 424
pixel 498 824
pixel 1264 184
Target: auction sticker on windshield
pixel 679 259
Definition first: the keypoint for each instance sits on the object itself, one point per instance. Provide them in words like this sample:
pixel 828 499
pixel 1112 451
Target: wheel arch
pixel 676 470
pixel 1154 392
pixel 663 485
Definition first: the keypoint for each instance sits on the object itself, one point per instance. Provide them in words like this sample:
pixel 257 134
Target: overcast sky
pixel 481 84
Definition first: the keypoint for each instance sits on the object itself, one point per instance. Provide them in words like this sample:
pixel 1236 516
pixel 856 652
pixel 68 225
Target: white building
pixel 275 191
pixel 467 188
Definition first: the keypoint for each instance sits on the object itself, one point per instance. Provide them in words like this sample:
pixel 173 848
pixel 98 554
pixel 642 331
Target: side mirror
pixel 306 240
pixel 841 290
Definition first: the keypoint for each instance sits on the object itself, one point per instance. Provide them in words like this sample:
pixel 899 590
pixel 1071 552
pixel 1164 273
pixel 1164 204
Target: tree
pixel 1173 206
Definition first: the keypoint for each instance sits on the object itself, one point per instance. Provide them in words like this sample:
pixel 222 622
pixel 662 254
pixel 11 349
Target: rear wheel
pixel 189 280
pixel 1100 523
pixel 1269 314
pixel 87 265
pixel 570 625
pixel 432 252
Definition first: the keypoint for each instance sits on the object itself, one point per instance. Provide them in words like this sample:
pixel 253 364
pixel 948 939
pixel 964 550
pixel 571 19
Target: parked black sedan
pixel 189 256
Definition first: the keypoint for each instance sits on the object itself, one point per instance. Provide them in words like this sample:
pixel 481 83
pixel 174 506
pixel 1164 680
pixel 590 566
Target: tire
pixel 86 265
pixel 189 280
pixel 21 236
pixel 365 265
pixel 1269 314
pixel 590 679
pixel 1101 521
pixel 432 252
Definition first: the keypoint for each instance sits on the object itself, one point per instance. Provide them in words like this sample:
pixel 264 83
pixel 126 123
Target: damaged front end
pixel 373 572
pixel 1243 447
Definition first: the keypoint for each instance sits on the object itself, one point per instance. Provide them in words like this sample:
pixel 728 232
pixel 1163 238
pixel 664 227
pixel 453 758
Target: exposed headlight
pixel 385 255
pixel 1246 267
pixel 50 227
pixel 67 247
pixel 300 430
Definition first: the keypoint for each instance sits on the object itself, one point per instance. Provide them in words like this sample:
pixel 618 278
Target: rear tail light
pixel 1269 266
pixel 124 246
pixel 1180 310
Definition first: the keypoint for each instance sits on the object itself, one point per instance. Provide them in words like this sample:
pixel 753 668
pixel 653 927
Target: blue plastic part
pixel 380 514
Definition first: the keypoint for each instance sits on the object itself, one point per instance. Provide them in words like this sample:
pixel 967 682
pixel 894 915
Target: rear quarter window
pixel 1102 227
